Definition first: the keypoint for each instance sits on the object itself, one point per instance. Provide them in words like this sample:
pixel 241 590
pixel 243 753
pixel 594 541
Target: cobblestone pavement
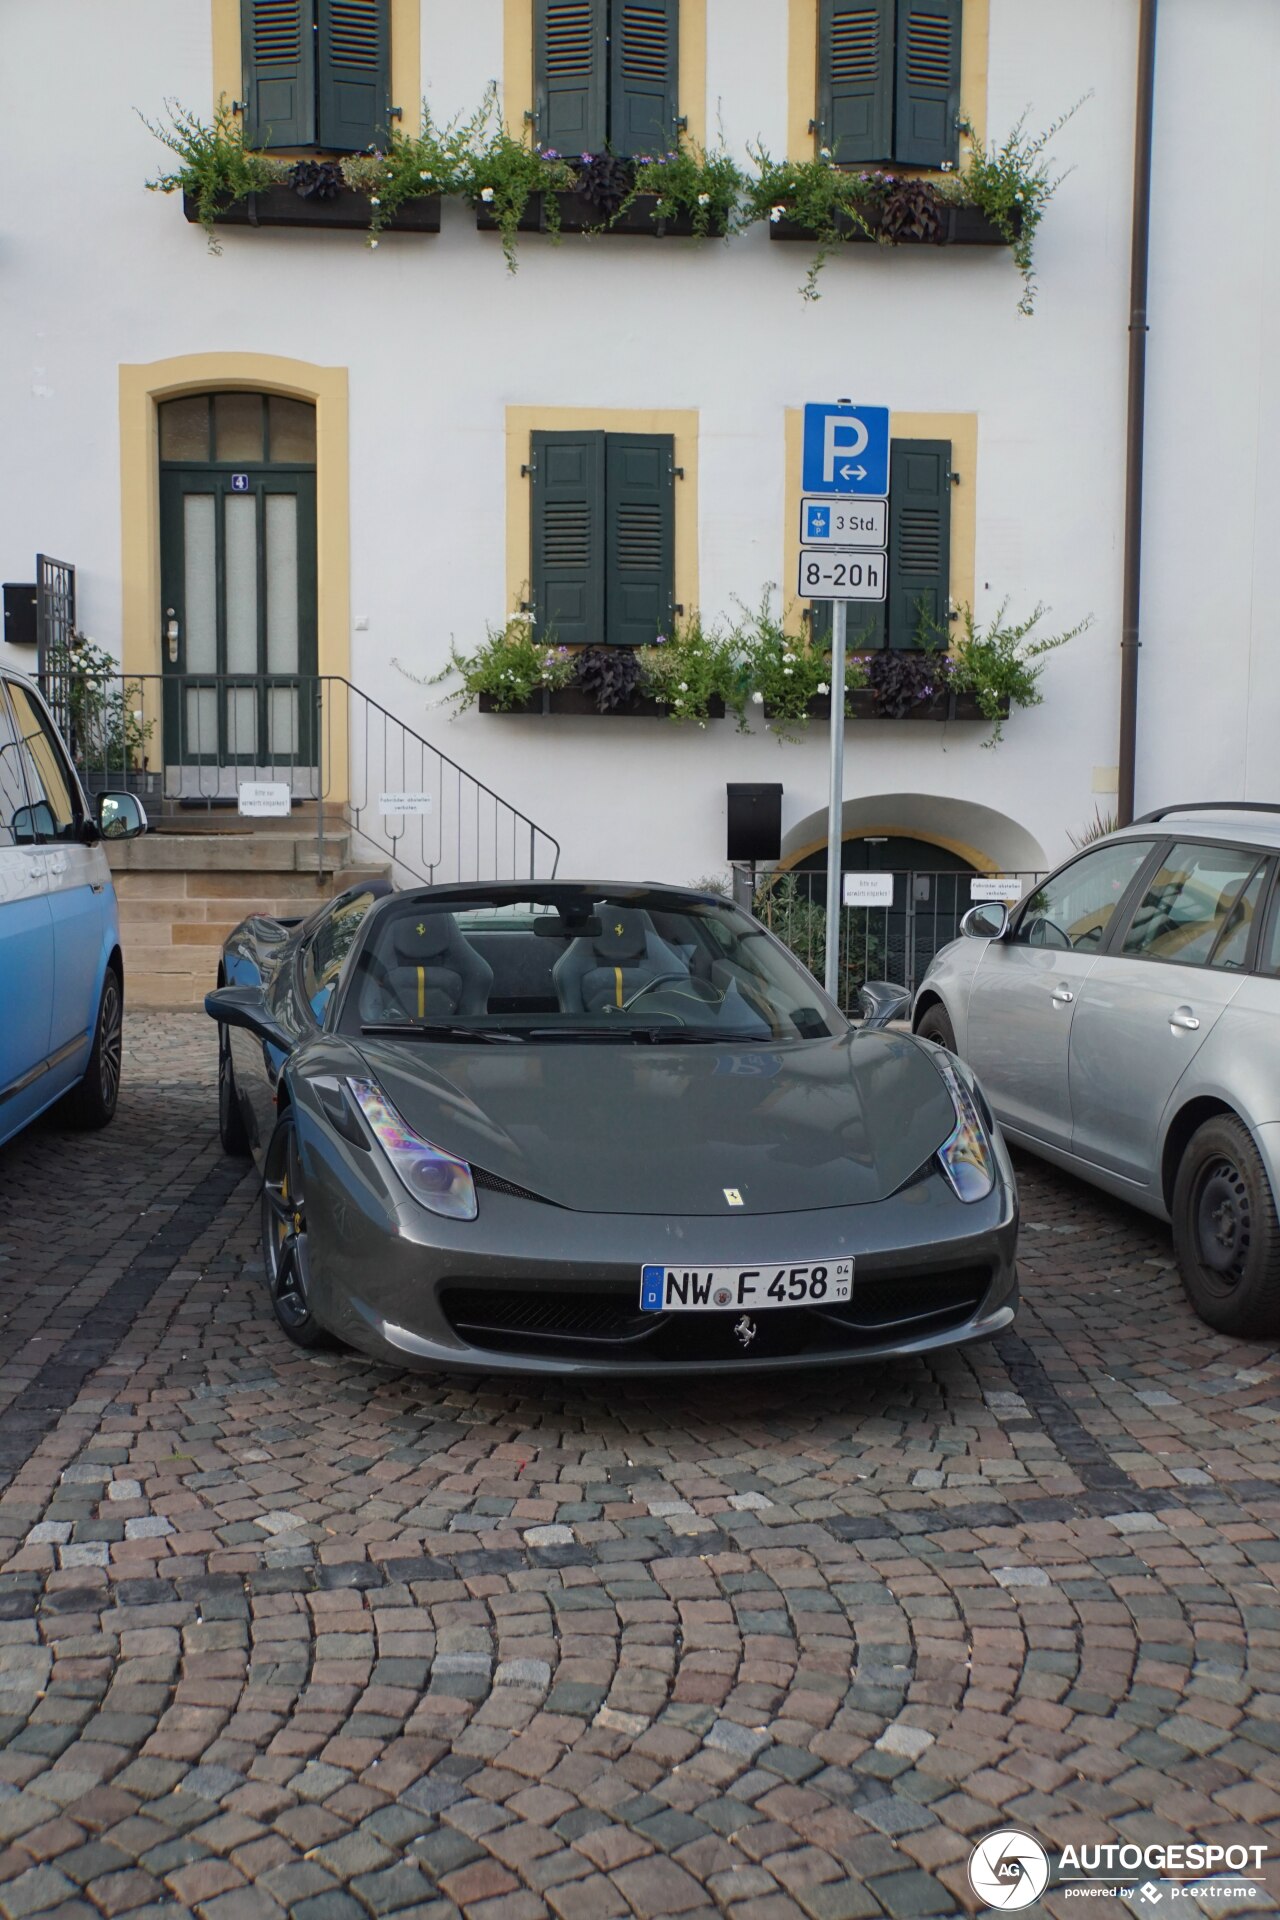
pixel 285 1632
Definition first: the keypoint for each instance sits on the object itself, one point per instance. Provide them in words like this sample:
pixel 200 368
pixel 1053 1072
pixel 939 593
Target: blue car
pixel 61 971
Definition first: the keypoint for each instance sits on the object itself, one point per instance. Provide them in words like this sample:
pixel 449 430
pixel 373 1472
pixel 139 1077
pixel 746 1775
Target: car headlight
pixel 435 1178
pixel 965 1155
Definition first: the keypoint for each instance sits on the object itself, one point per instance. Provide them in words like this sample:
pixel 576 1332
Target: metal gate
pixel 894 940
pixel 55 624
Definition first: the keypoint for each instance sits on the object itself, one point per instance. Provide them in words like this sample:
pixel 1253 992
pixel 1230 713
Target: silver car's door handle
pixel 1183 1018
pixel 1062 996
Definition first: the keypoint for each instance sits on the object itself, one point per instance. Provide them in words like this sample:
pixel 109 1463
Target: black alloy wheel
pixel 284 1237
pixel 231 1127
pixel 936 1025
pixel 1226 1233
pixel 92 1103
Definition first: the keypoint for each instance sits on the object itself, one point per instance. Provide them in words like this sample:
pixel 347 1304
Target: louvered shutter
pixel 855 78
pixel 919 541
pixel 354 58
pixel 640 551
pixel 928 83
pixel 570 51
pixel 279 72
pixel 569 537
pixel 643 76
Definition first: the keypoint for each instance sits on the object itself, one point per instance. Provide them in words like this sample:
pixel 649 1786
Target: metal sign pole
pixel 835 813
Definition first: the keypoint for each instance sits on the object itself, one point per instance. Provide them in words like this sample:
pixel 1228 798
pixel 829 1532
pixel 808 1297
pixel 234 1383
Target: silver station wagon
pixel 1124 1022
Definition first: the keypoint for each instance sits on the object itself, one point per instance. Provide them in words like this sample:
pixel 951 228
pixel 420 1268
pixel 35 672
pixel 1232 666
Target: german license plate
pixel 730 1289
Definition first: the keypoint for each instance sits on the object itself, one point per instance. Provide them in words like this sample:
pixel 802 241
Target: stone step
pixel 230 853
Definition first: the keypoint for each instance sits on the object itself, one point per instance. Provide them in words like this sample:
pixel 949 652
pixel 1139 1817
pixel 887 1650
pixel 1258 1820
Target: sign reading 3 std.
pixel 844 523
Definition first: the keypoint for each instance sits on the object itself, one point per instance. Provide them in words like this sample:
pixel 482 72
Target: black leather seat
pixel 609 968
pixel 432 971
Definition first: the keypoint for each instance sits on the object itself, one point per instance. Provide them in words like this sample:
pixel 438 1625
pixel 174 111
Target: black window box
pixel 350 211
pixel 580 215
pixel 574 700
pixel 863 704
pixel 961 227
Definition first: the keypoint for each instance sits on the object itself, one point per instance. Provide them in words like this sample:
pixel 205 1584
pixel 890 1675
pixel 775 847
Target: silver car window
pixel 13 791
pixel 1074 908
pixel 1197 898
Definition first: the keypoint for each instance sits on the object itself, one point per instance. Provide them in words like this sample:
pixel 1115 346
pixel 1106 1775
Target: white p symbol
pixel 843 436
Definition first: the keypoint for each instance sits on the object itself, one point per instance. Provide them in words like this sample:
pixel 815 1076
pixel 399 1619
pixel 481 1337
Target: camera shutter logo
pixel 1008 1869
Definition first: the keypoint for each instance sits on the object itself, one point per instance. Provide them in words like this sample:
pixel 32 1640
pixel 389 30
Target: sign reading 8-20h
pixel 834 573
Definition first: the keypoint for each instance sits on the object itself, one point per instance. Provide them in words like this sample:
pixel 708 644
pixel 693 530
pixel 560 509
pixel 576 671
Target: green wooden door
pixel 238 616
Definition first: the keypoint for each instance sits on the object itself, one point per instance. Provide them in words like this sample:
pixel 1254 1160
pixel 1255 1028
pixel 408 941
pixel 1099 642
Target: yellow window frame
pixel 518 78
pixel 802 75
pixel 406 58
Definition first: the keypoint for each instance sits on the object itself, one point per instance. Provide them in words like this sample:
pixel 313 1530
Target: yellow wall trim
pixel 681 424
pixel 517 66
pixel 961 429
pixel 141 390
pixel 802 73
pixel 406 58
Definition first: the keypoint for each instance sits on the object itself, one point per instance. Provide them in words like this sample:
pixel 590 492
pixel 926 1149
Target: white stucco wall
pixel 439 340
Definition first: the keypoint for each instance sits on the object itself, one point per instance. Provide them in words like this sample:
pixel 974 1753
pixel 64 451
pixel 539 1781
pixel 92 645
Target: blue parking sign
pixel 846 449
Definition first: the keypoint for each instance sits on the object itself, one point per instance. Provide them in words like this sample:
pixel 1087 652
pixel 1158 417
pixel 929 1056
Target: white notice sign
pixel 868 889
pixel 404 803
pixel 265 799
pixel 834 573
pixel 995 886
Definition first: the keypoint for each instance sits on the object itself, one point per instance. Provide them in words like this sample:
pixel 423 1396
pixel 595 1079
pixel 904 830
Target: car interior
pixel 608 960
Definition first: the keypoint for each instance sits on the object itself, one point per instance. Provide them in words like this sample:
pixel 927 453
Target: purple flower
pixel 551 154
pixel 586 159
pixel 660 640
pixel 646 159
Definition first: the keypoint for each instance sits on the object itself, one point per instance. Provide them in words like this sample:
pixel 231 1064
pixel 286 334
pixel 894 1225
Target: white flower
pixel 757 699
pixel 374 200
pixel 524 617
pixel 786 673
pixel 373 243
pixel 947 165
pixel 424 175
pixel 1018 197
pixel 684 686
pixel 704 199
pixel 826 153
pixel 823 687
pixel 486 193
pixel 776 213
pixel 790 659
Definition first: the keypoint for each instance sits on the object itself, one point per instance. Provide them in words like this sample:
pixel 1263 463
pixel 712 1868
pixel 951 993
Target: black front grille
pixel 600 1322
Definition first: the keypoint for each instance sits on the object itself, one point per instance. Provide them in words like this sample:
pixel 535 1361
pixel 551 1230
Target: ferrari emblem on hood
pixel 733 1196
pixel 619 929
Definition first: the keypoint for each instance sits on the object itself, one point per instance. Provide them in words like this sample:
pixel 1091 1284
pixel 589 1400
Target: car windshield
pixel 633 964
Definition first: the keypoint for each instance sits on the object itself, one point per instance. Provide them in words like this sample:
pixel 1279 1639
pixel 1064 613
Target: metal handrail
pixel 186 742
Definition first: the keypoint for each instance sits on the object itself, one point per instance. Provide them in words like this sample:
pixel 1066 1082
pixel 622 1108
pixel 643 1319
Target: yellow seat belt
pixel 422 993
pixel 617 984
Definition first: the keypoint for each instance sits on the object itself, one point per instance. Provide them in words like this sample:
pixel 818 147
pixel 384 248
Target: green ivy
pixel 1013 184
pixel 687 668
pixel 508 667
pixel 707 188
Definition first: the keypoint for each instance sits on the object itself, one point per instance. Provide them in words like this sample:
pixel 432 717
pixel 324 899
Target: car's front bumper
pixel 529 1287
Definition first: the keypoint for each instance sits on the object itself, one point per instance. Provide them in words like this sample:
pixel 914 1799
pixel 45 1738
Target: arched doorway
pixel 926 891
pixel 238 586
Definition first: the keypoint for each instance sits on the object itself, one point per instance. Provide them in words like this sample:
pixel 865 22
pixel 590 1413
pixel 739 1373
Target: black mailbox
pixel 20 612
pixel 755 823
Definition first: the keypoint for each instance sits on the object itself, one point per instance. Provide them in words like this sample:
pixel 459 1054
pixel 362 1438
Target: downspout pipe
pixel 1130 618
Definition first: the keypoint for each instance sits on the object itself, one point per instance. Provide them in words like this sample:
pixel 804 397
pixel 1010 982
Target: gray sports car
pixel 597 1128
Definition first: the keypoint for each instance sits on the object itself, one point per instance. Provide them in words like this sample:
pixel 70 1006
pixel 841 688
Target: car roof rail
pixel 1208 806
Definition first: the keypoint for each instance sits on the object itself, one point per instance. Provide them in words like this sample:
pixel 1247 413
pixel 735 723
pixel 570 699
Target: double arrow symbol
pixel 853 473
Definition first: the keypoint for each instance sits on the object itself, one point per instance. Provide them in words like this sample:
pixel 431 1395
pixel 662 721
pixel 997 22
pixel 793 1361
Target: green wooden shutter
pixel 568 537
pixel 640 549
pixel 354 61
pixel 570 59
pixel 643 75
pixel 919 541
pixel 279 72
pixel 855 78
pixel 928 83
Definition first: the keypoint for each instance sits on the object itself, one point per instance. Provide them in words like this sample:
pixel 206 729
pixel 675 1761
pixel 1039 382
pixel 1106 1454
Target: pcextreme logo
pixel 1008 1869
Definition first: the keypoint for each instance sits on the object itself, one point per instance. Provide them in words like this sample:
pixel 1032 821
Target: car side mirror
pixel 246 1007
pixel 882 1001
pixel 120 816
pixel 989 921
